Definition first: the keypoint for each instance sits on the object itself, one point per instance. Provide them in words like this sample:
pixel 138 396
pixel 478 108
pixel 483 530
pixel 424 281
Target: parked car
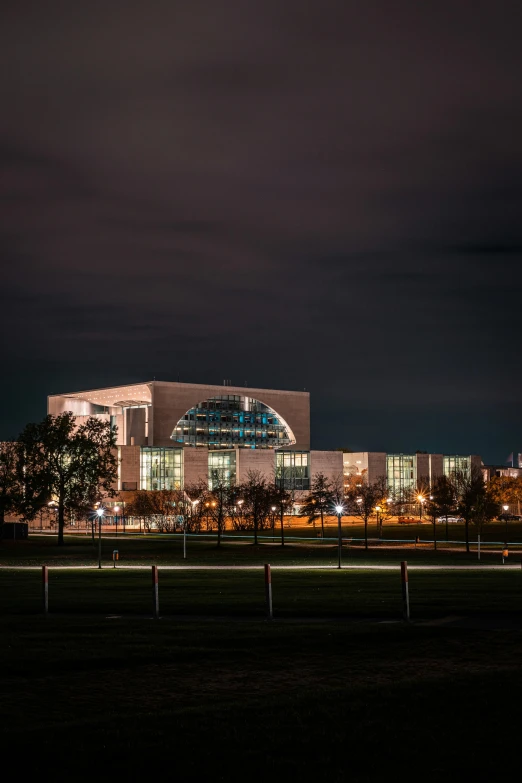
pixel 509 517
pixel 450 519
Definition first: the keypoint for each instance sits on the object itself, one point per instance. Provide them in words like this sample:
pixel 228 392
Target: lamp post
pixel 116 511
pixel 339 511
pixel 194 504
pixel 53 506
pixel 421 500
pixel 433 514
pixel 378 509
pixel 273 523
pixel 99 513
pixel 506 508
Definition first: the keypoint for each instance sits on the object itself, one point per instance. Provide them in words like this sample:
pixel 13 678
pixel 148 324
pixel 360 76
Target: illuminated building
pixel 172 435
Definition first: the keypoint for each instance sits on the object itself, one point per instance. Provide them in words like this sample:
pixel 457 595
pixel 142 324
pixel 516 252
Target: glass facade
pixel 454 463
pixel 401 473
pixel 221 468
pixel 233 421
pixel 161 468
pixel 293 469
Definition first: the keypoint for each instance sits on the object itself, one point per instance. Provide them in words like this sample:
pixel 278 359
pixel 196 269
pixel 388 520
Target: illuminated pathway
pixel 108 566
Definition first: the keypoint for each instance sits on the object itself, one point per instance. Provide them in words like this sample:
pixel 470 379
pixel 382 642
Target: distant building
pixel 171 435
pixel 404 472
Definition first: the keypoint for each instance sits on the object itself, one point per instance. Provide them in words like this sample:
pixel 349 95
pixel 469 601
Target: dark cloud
pixel 323 195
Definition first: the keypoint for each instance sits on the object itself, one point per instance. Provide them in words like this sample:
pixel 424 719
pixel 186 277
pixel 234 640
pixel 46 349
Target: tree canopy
pixel 75 466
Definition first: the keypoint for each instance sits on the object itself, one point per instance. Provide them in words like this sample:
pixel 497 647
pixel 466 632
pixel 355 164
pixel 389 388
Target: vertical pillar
pixel 155 593
pixel 405 591
pixel 45 589
pixel 478 547
pixel 268 591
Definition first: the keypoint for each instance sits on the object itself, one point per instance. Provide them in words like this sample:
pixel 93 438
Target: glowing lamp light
pixel 100 512
pixel 505 507
pixel 339 509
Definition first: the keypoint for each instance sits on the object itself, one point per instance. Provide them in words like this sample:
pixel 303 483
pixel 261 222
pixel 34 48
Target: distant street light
pixel 273 522
pixel 53 505
pixel 339 511
pixel 506 509
pixel 99 512
pixel 421 500
pixel 116 511
pixel 378 509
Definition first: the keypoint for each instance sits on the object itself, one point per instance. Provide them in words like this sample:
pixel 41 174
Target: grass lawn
pixel 240 550
pixel 256 701
pixel 336 688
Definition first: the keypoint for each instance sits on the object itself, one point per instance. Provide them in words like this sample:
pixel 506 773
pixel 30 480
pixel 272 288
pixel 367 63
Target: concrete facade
pixel 373 465
pixel 262 462
pixel 330 463
pixel 195 466
pixel 147 413
pixel 170 401
pixel 129 467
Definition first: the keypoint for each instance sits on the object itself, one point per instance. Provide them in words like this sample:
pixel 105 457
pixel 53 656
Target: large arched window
pixel 233 421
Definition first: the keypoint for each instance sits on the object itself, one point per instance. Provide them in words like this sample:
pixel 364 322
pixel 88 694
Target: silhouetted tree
pixel 220 499
pixel 283 500
pixel 474 501
pixel 362 501
pixel 319 501
pixel 10 487
pixel 441 502
pixel 258 498
pixel 70 464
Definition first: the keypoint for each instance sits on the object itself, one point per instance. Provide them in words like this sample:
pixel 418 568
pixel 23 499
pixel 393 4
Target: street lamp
pixel 378 509
pixel 53 506
pixel 506 509
pixel 99 512
pixel 116 511
pixel 273 522
pixel 339 511
pixel 421 500
pixel 194 504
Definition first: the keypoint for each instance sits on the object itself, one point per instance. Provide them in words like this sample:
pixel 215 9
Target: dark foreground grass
pixel 315 593
pixel 168 550
pixel 226 701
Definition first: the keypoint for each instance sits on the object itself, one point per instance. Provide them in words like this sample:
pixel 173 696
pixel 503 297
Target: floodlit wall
pixel 261 461
pixel 170 401
pixel 330 463
pixel 195 465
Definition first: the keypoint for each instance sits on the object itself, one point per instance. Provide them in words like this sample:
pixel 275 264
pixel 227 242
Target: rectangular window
pixel 293 469
pixel 455 463
pixel 401 473
pixel 221 468
pixel 161 468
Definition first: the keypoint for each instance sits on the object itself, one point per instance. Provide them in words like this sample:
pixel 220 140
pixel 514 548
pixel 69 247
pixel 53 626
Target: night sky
pixel 302 195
